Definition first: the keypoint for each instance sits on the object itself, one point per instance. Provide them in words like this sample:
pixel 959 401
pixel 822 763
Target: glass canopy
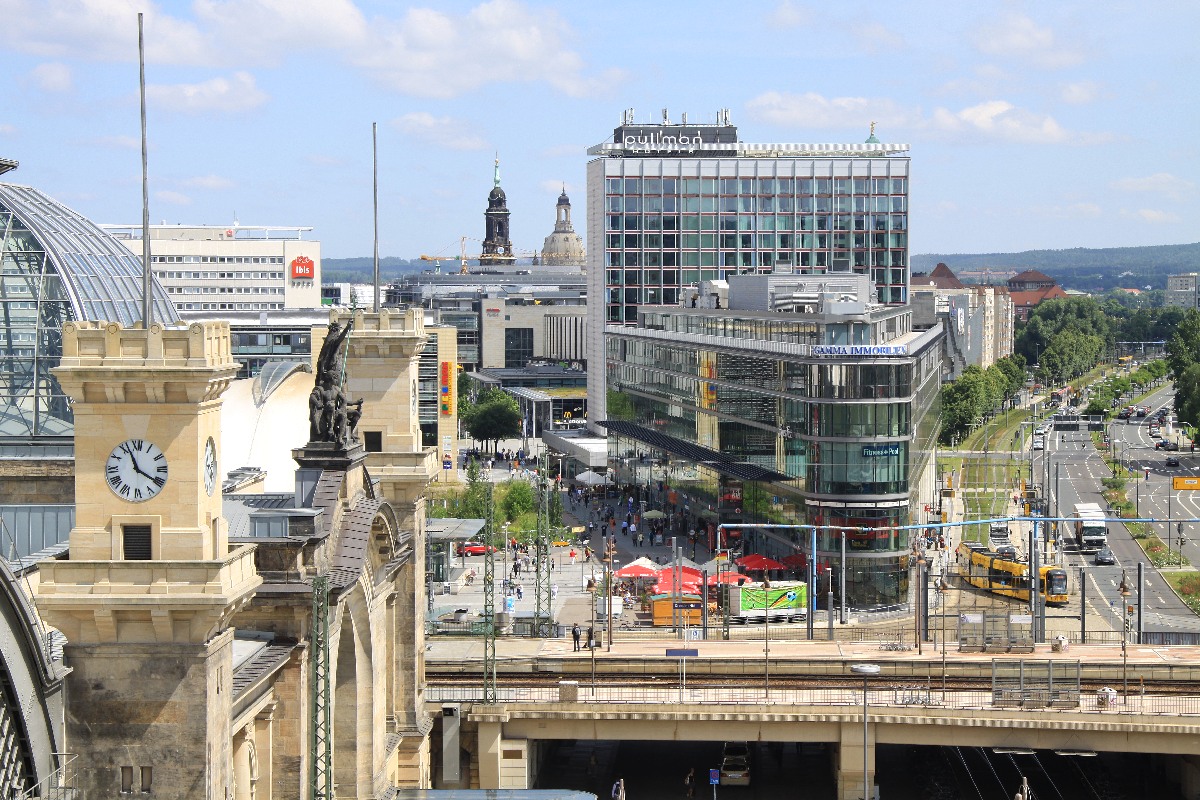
pixel 55 266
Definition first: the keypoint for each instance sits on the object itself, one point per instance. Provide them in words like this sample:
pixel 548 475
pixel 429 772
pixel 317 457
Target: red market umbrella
pixel 732 578
pixel 796 561
pixel 758 563
pixel 689 573
pixel 669 587
pixel 636 571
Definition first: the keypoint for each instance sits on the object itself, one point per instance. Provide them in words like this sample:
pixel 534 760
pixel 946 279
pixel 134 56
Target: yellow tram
pixel 984 569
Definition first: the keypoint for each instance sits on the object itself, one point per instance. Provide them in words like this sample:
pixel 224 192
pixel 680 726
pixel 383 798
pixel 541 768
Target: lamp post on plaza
pixel 942 588
pixel 1123 589
pixel 866 670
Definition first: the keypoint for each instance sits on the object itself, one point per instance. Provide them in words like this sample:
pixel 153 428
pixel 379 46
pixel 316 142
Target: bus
pixel 1091 530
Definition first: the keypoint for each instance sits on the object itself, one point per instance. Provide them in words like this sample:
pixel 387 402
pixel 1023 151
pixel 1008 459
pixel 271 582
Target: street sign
pixel 714 776
pixel 1184 482
pixel 683 653
pixel 691 606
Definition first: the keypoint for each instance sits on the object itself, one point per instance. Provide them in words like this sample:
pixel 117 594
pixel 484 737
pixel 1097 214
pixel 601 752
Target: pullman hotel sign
pixel 859 349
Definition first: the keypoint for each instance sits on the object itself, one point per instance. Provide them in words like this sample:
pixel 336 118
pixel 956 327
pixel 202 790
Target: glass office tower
pixel 671 205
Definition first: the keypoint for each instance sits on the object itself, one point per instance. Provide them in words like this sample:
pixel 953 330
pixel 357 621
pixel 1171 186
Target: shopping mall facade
pixel 785 399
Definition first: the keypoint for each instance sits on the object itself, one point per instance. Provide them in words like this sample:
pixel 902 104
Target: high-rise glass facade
pixel 669 206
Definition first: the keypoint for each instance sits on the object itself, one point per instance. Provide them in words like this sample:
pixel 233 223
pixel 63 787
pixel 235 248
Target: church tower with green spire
pixel 497 247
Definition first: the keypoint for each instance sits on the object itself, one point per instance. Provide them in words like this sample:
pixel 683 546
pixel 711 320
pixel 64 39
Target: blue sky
pixel 1032 125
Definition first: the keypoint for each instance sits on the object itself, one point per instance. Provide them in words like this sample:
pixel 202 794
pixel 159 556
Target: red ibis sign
pixel 303 268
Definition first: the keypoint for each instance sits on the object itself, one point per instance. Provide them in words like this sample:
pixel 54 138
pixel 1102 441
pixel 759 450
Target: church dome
pixel 496 197
pixel 563 200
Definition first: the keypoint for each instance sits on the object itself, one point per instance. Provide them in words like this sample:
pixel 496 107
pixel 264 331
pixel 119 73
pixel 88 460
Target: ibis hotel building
pixel 784 399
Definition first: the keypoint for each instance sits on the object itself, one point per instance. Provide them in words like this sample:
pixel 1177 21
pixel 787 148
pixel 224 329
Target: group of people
pixel 577 635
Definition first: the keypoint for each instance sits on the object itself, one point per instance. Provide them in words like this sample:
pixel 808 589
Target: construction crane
pixel 463 258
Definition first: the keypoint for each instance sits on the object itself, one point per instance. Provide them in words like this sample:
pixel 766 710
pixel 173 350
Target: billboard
pixel 446 389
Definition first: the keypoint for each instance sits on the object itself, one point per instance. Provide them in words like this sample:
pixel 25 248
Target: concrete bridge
pixel 508 739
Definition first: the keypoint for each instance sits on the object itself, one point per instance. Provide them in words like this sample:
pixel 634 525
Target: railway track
pixel 548 680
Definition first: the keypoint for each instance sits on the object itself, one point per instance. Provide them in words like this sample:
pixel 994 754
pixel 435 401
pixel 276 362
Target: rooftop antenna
pixel 147 311
pixel 666 119
pixel 375 209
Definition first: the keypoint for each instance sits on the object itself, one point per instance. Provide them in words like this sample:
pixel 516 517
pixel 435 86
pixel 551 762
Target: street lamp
pixel 866 670
pixel 1123 589
pixel 942 588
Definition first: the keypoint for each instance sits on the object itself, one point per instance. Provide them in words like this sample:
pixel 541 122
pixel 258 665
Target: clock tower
pixel 497 246
pixel 147 592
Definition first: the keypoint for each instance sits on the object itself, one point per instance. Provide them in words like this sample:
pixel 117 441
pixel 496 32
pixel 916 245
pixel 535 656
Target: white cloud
pixel 1080 92
pixel 425 51
pixel 1000 119
pixel 1163 183
pixel 1152 216
pixel 211 182
pixel 1019 37
pixel 235 93
pixel 6 129
pixel 173 198
pixel 453 134
pixel 812 110
pixel 789 15
pixel 993 119
pixel 436 54
pixel 874 38
pixel 52 77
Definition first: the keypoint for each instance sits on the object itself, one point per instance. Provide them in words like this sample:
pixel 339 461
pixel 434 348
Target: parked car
pixel 474 549
pixel 1105 556
pixel 1172 461
pixel 735 771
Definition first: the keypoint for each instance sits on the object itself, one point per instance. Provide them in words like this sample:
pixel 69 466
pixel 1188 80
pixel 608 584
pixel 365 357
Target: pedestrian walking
pixel 572 555
pixel 618 790
pixel 689 782
pixel 575 634
pixel 554 592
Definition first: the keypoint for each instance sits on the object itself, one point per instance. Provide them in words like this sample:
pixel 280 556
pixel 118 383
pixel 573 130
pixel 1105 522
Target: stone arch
pixel 353 706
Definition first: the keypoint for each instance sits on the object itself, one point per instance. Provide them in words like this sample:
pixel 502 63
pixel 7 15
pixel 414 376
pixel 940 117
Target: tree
pixel 493 417
pixel 518 500
pixel 1187 398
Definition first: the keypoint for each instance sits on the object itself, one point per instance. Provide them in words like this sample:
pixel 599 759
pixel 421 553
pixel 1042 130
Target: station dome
pixel 55 266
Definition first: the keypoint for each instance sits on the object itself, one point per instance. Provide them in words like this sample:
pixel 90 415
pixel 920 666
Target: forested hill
pixel 360 269
pixel 1080 268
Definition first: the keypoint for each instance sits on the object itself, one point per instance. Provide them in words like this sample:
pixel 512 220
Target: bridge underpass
pixel 510 741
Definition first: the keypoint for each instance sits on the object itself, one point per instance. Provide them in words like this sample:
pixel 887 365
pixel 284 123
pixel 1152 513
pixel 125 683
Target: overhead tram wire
pixel 967 769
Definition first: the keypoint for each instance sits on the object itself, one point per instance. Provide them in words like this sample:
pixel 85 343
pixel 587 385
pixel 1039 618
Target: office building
pixel 504 320
pixel 671 205
pixel 214 268
pixel 1183 290
pixel 784 399
pixel 978 320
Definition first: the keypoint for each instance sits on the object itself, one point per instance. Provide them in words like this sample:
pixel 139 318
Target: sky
pixel 1031 125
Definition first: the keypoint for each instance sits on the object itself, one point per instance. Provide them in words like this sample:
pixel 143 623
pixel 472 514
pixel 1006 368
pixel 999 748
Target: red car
pixel 474 549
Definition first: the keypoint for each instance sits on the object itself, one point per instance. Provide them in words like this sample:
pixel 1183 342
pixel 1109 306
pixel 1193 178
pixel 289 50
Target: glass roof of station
pixel 55 266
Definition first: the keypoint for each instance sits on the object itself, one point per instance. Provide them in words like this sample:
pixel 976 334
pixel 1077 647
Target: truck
pixel 785 601
pixel 1091 529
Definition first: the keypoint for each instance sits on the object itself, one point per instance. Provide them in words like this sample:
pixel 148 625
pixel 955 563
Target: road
pixel 1070 470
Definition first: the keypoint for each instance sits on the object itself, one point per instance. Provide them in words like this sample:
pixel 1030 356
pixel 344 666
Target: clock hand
pixel 138 469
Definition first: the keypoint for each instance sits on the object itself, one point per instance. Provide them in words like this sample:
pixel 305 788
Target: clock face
pixel 210 467
pixel 136 470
